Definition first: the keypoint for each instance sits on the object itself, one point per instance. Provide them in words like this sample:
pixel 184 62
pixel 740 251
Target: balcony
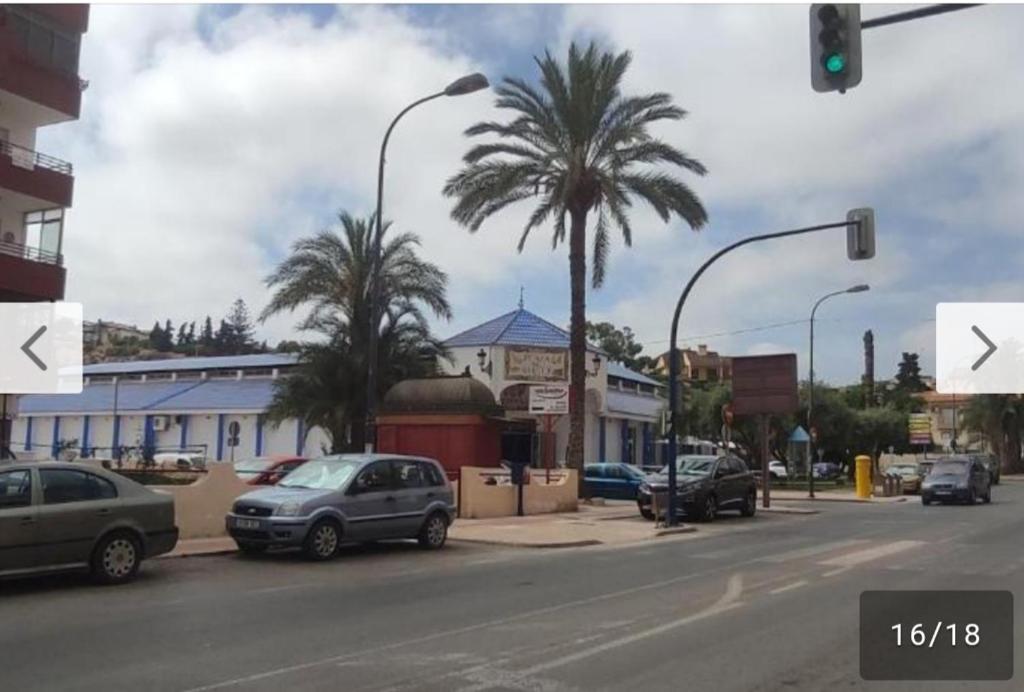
pixel 30 274
pixel 35 175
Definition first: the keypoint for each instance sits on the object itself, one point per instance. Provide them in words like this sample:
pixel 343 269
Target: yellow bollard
pixel 863 476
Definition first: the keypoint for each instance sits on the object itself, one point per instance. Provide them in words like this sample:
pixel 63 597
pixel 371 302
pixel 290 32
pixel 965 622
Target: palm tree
pixel 578 147
pixel 330 273
pixel 999 417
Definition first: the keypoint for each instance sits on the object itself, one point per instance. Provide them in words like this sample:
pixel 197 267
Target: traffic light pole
pixel 672 518
pixel 911 15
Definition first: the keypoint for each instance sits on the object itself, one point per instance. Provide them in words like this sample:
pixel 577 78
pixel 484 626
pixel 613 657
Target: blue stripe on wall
pixel 183 442
pixel 148 433
pixel 85 436
pixel 648 445
pixel 259 434
pixel 55 445
pixel 28 435
pixel 601 441
pixel 115 440
pixel 220 436
pixel 624 438
pixel 300 435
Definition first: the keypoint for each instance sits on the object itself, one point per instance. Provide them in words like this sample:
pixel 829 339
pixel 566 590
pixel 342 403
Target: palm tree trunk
pixel 577 341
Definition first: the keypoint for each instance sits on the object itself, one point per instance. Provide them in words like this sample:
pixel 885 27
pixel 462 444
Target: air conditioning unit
pixel 161 423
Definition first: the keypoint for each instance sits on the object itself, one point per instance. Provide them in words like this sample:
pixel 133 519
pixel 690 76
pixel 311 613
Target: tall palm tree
pixel 999 417
pixel 577 147
pixel 330 274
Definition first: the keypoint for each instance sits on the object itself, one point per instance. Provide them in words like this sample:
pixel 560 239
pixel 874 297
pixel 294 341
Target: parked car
pixel 908 474
pixel 267 470
pixel 346 498
pixel 924 467
pixel 957 479
pixel 182 461
pixel 705 485
pixel 827 471
pixel 58 516
pixel 613 481
pixel 991 464
pixel 777 470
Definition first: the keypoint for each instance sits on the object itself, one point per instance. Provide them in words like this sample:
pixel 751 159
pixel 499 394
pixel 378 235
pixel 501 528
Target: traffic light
pixel 860 234
pixel 835 47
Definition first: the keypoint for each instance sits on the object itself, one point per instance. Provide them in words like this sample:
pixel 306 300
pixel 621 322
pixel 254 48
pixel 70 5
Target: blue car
pixel 613 481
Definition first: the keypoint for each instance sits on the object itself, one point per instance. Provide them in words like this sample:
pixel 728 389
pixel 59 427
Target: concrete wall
pixel 478 500
pixel 199 508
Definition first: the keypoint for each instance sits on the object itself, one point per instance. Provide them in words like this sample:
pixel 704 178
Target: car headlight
pixel 289 509
pixel 645 488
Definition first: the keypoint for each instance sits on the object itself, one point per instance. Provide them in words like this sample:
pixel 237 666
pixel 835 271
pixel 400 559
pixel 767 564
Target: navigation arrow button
pixel 27 348
pixel 991 347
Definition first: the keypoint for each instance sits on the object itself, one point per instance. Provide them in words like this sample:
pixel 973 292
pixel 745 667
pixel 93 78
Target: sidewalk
pixel 832 496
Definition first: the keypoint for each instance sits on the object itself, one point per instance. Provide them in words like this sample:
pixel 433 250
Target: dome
pixel 445 394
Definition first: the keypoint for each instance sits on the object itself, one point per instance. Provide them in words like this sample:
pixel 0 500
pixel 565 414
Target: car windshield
pixel 252 466
pixel 693 465
pixel 321 474
pixel 904 469
pixel 953 467
pixel 633 472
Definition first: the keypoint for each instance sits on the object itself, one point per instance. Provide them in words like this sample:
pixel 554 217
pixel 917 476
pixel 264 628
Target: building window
pixel 46 45
pixel 44 234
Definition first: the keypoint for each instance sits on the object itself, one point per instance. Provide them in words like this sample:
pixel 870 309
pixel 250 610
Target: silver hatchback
pixel 346 498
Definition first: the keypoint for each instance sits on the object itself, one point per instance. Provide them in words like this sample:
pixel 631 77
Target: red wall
pixel 25 280
pixel 455 441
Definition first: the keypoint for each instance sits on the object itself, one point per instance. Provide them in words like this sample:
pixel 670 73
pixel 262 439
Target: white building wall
pixel 279 439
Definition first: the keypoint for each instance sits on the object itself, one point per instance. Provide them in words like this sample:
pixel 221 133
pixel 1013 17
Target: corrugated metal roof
pixel 255 360
pixel 633 405
pixel 517 328
pixel 616 369
pixel 137 397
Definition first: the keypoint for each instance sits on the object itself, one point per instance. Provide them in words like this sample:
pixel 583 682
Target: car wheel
pixel 251 548
pixel 434 532
pixel 116 558
pixel 972 497
pixel 925 500
pixel 710 509
pixel 987 497
pixel 323 540
pixel 750 504
pixel 647 514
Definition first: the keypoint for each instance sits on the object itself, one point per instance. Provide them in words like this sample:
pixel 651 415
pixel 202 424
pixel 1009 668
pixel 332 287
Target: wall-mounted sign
pixel 549 399
pixel 537 364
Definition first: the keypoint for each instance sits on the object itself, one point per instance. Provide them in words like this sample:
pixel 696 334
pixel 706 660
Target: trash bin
pixel 863 476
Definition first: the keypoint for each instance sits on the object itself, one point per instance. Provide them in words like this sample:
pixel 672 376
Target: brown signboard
pixel 764 385
pixel 536 364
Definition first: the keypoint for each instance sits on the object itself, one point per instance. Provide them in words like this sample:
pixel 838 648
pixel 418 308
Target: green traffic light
pixel 835 63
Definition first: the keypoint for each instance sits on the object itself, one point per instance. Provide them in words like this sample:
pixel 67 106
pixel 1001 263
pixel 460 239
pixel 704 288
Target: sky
pixel 212 138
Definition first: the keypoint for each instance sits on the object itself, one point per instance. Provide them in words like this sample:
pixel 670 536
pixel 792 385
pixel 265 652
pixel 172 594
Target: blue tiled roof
pixel 517 328
pixel 616 369
pixel 135 397
pixel 255 360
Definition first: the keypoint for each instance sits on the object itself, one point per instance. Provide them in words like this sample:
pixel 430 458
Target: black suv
pixel 991 464
pixel 705 485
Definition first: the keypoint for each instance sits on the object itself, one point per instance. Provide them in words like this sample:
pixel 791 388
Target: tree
pixel 182 340
pixel 999 417
pixel 207 339
pixel 330 274
pixel 156 336
pixel 908 374
pixel 240 330
pixel 577 146
pixel 288 346
pixel 877 429
pixel 619 344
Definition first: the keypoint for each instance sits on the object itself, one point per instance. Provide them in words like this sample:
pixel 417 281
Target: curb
pixel 202 553
pixel 527 544
pixel 869 501
pixel 788 510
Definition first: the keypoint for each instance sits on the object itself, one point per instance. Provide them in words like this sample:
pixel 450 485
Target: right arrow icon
pixel 991 347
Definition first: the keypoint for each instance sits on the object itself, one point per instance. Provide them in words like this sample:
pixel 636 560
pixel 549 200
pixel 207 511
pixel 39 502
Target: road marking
pixel 801 553
pixel 836 571
pixel 858 557
pixel 276 589
pixel 789 587
pixel 284 670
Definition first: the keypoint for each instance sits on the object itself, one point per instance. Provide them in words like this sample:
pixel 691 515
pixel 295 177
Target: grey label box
pixel 936 635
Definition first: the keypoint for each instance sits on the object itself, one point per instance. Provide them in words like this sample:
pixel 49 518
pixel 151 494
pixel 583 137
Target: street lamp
pixel 463 85
pixel 859 288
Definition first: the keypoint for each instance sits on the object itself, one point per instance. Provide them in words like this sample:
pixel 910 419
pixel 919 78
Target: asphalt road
pixel 763 604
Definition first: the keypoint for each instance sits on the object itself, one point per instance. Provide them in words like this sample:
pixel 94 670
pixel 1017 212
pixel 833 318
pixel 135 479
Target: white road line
pixel 276 589
pixel 858 557
pixel 789 587
pixel 801 553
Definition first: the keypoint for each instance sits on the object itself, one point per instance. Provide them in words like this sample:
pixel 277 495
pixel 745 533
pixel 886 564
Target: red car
pixel 267 470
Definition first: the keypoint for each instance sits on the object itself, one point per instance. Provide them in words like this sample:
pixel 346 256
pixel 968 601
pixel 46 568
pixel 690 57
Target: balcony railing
pixel 30 253
pixel 26 158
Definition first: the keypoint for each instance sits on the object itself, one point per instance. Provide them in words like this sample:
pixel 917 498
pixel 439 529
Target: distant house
pixel 699 365
pixel 100 333
pixel 947 415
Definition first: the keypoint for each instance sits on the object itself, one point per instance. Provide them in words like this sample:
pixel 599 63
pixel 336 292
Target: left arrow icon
pixel 27 348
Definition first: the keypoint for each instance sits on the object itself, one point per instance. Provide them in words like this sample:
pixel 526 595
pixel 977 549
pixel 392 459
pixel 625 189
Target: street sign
pixel 549 399
pixel 764 384
pixel 920 428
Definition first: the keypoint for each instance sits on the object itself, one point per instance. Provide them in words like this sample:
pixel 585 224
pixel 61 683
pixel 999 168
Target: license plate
pixel 247 523
pixel 943 492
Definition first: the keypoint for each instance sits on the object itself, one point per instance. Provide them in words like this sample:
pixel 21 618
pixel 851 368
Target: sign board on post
pixel 549 399
pixel 920 428
pixel 764 386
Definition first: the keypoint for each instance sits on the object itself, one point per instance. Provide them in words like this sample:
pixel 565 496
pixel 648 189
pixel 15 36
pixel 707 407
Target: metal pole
pixel 919 13
pixel 4 444
pixel 673 366
pixel 375 292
